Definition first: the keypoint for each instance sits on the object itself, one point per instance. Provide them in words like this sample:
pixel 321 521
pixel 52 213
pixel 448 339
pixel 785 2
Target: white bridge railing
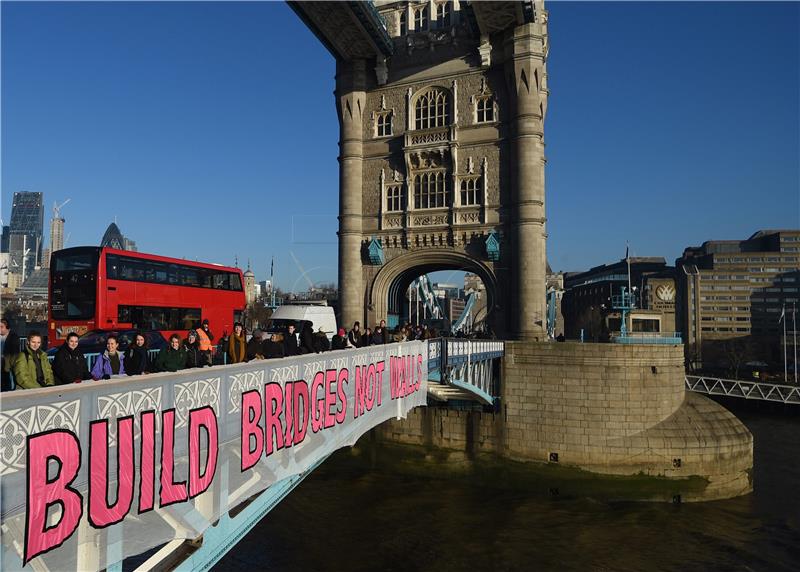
pixel 744 389
pixel 93 473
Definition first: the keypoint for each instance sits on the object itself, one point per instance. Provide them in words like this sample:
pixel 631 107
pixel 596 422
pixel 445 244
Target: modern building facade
pixel 587 303
pixel 736 290
pixel 26 232
pixel 441 108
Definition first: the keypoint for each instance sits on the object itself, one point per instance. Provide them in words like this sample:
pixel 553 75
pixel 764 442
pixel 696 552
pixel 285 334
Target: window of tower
pixel 384 124
pixel 394 199
pixel 484 107
pixel 443 15
pixel 471 190
pixel 431 190
pixel 403 23
pixel 431 109
pixel 421 19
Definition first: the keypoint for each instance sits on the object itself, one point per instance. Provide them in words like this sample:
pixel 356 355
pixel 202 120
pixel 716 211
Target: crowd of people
pixel 32 369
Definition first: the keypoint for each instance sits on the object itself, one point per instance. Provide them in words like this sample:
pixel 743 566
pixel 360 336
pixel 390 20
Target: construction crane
pixel 57 208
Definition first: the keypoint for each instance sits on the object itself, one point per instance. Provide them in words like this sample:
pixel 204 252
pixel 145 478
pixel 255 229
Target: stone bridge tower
pixel 441 108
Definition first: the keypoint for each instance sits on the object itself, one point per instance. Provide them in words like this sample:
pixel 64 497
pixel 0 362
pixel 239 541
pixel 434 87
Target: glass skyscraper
pixel 26 232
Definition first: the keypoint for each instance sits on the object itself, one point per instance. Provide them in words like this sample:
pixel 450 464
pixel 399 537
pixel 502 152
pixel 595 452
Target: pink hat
pixel 341 332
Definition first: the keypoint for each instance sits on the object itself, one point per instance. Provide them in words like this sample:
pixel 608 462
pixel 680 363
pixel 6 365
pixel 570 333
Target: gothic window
pixel 430 190
pixel 403 22
pixel 384 124
pixel 394 199
pixel 484 107
pixel 471 191
pixel 431 109
pixel 443 15
pixel 421 19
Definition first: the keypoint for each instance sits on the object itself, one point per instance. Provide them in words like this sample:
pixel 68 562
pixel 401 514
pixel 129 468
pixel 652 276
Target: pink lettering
pixel 63 447
pixel 171 492
pixel 147 471
pixel 251 415
pixel 379 380
pixel 318 411
pixel 273 400
pixel 101 513
pixel 341 413
pixel 300 417
pixel 330 398
pixel 203 418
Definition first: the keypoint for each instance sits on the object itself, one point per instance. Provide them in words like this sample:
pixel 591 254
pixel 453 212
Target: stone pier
pixel 605 408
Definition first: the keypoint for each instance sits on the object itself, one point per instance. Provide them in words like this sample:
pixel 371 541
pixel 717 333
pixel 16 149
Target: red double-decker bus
pixel 93 288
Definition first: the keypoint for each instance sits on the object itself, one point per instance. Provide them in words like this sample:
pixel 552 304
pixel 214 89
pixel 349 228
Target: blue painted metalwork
pixel 222 537
pixel 466 364
pixel 493 247
pixel 625 302
pixel 375 251
pixel 551 313
pixel 652 338
pixel 462 319
pixel 789 394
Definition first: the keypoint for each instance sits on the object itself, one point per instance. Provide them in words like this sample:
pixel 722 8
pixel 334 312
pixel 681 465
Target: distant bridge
pixel 758 390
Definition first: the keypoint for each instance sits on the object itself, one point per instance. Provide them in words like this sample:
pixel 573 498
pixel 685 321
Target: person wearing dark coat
pixel 69 363
pixel 366 339
pixel 339 341
pixel 255 346
pixel 10 351
pixel 195 357
pixel 172 357
pixel 379 336
pixel 321 342
pixel 307 338
pixel 354 337
pixel 290 347
pixel 384 332
pixel 137 360
pixel 272 347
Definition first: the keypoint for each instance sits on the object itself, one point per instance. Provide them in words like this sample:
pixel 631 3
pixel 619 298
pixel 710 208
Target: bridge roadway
pixel 199 456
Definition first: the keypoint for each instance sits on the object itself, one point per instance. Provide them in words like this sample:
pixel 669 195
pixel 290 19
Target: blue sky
pixel 209 130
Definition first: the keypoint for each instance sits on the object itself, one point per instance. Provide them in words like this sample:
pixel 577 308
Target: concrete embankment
pixel 605 408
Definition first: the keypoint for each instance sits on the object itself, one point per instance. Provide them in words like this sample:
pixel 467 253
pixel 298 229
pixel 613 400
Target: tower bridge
pixel 441 108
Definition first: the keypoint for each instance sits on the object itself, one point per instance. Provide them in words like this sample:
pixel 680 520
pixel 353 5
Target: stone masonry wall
pixel 608 408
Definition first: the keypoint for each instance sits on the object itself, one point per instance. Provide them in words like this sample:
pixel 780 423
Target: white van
pixel 299 315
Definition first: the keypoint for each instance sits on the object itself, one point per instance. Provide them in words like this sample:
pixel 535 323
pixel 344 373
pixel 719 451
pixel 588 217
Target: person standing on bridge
pixel 384 332
pixel 307 338
pixel 255 347
pixel 9 341
pixel 110 362
pixel 137 360
pixel 290 347
pixel 366 339
pixel 237 345
pixel 204 339
pixel 172 357
pixel 69 363
pixel 339 341
pixel 354 337
pixel 321 342
pixel 31 369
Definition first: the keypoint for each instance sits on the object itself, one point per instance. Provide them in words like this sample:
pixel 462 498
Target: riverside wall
pixel 608 408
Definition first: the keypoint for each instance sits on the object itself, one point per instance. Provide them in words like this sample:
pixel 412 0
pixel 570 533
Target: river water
pixel 358 516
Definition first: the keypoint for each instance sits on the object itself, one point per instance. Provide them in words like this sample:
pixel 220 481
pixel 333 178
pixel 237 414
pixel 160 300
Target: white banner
pixel 96 472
